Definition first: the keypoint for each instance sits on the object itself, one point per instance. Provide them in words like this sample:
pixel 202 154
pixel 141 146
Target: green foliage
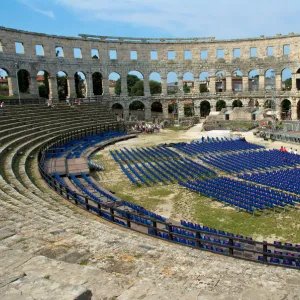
pixel 220 104
pixel 155 87
pixel 137 89
pixel 97 84
pixel 288 84
pixel 188 110
pixel 79 85
pixel 186 89
pixel 62 87
pixel 118 87
pixel 3 88
pixel 203 88
pixel 46 84
pixel 24 81
pixel 43 91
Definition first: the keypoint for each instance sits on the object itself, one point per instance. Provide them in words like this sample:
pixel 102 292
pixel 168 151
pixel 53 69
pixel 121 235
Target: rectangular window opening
pixel 133 55
pixel 113 54
pixel 95 53
pixel 286 49
pixel 253 52
pixel 153 55
pixel 236 53
pixel 270 51
pixel 220 53
pixel 59 52
pixel 19 48
pixel 171 55
pixel 203 54
pixel 77 53
pixel 39 50
pixel 187 54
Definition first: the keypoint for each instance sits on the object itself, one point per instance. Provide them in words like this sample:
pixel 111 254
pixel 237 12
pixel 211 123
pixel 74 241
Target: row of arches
pixel 136 86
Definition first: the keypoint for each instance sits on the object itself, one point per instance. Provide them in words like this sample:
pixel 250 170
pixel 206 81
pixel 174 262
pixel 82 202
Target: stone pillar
pixel 180 85
pixel 197 108
pixel 146 86
pixel 53 93
pixel 13 86
pixel 228 84
pixel 164 86
pixel 165 107
pixel 196 86
pixel 124 91
pixel 105 85
pixel 213 107
pixel 212 85
pixel 261 83
pixel 278 82
pixel 245 84
pixel 126 114
pixel 147 114
pixel 71 88
pixel 180 109
pixel 34 90
pixel 294 82
pixel 294 112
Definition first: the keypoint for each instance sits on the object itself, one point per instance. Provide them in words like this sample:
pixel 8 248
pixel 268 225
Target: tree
pixel 220 105
pixel 62 87
pixel 203 88
pixel 155 87
pixel 43 91
pixel 137 89
pixel 118 87
pixel 24 81
pixel 186 88
pixel 46 92
pixel 131 81
pixel 79 85
pixel 287 84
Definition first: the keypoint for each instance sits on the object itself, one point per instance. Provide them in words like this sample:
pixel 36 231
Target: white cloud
pixel 33 6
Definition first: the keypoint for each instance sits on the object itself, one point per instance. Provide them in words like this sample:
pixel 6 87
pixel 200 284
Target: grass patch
pixel 177 128
pixel 84 262
pixel 47 277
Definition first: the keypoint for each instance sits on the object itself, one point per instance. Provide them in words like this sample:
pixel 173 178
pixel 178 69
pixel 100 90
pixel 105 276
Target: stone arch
pixel 188 82
pixel 172 83
pixel 237 103
pixel 118 110
pixel 114 84
pixel 24 81
pixel 220 105
pixel 204 82
pixel 80 84
pixel 220 81
pixel 237 81
pixel 269 79
pixel 63 88
pixel 298 80
pixel 43 78
pixel 156 110
pixel 253 80
pixel 298 110
pixel 205 108
pixel 286 108
pixel 5 83
pixel 188 108
pixel 97 79
pixel 135 83
pixel 137 110
pixel 286 79
pixel 155 83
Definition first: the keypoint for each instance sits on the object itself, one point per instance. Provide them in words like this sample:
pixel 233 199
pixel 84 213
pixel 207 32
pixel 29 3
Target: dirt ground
pixel 173 201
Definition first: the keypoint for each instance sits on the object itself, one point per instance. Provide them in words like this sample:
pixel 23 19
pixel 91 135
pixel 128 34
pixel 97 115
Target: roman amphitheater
pixel 92 208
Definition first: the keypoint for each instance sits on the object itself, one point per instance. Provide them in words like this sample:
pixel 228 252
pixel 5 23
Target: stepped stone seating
pixel 50 249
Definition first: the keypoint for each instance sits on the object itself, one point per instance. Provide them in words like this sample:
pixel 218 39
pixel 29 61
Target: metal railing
pixel 112 211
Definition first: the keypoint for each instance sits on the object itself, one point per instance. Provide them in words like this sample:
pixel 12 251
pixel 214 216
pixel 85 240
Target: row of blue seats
pixel 287 180
pixel 285 262
pixel 250 161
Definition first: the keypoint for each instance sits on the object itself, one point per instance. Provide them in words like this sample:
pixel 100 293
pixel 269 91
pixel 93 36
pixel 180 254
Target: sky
pixel 222 19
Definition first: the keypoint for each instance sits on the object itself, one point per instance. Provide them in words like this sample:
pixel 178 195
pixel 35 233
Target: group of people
pixel 147 128
pixel 283 149
pixel 51 104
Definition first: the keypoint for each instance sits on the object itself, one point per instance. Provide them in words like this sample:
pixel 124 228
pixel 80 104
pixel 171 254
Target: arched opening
pixel 62 85
pixel 172 108
pixel 298 110
pixel 135 83
pixel 43 84
pixel 188 82
pixel 155 83
pixel 114 84
pixel 204 109
pixel 286 79
pixel 97 84
pixel 286 109
pixel 270 79
pixel 253 80
pixel 137 110
pixel 237 103
pixel 156 110
pixel 268 104
pixel 252 103
pixel 80 85
pixel 117 109
pixel 298 80
pixel 204 82
pixel 188 108
pixel 220 105
pixel 4 85
pixel 237 81
pixel 24 81
pixel 220 82
pixel 172 83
